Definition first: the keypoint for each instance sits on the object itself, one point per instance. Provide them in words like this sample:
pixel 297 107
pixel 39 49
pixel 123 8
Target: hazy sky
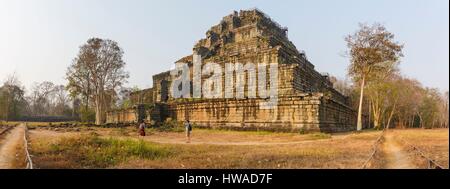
pixel 39 39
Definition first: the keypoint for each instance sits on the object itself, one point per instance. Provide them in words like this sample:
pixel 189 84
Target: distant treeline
pixel 45 119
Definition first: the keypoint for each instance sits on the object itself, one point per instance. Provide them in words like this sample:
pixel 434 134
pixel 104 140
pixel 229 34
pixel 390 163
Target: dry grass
pixel 433 142
pixel 202 136
pixel 339 153
pixel 92 151
pixel 210 149
pixel 35 124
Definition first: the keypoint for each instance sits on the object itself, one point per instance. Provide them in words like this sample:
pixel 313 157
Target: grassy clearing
pixel 122 148
pixel 227 131
pixel 91 151
pixel 319 136
pixel 211 135
pixel 433 142
pixel 339 153
pixel 110 150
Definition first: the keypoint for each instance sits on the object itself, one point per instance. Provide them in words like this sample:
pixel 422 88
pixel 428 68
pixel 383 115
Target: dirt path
pixel 395 156
pixel 11 148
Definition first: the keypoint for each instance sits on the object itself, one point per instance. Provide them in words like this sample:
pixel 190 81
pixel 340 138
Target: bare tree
pixel 41 96
pixel 372 52
pixel 342 85
pixel 96 72
pixel 61 101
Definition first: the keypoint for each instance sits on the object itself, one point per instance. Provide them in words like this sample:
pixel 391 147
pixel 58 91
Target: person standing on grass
pixel 142 128
pixel 188 128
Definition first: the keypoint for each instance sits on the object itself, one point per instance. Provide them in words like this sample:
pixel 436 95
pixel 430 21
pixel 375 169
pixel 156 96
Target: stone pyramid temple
pixel 306 100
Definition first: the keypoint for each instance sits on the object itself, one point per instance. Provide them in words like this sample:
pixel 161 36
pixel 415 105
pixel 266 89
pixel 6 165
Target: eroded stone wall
pixel 303 112
pixel 122 116
pixel 335 116
pixel 142 97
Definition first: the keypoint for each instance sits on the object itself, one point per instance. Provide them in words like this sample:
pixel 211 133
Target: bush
pixel 171 125
pixel 302 131
pixel 93 151
pixel 320 136
pixel 87 115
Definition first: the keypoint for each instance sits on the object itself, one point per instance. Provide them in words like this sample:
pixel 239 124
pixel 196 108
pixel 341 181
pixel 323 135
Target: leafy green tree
pixel 429 108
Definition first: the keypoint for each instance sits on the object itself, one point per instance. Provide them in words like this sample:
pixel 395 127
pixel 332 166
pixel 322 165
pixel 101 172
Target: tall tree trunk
pixel 370 113
pixel 87 103
pixel 99 110
pixel 376 112
pixel 7 108
pixel 376 122
pixel 88 91
pixel 421 121
pixel 359 123
pixel 390 117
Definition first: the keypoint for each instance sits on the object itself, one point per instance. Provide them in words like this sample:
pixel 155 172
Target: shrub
pixel 171 125
pixel 320 136
pixel 93 151
pixel 87 115
pixel 302 131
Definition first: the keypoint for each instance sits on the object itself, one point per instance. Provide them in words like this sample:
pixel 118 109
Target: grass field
pixel 94 147
pixel 121 148
pixel 433 142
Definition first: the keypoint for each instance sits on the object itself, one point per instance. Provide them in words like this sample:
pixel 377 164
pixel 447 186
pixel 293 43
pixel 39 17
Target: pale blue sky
pixel 38 39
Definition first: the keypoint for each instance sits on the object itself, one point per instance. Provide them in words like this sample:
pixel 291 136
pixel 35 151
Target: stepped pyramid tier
pixel 245 32
pixel 306 99
pixel 251 36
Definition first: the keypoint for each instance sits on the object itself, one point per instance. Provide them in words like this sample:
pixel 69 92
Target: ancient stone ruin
pixel 307 100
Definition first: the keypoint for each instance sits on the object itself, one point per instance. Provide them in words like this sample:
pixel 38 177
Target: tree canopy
pixel 96 73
